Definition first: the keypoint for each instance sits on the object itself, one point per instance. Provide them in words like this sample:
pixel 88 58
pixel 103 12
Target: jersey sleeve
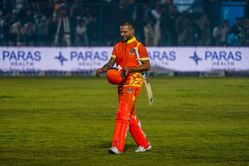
pixel 143 52
pixel 115 51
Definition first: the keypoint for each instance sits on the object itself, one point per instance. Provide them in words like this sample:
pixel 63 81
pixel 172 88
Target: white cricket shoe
pixel 142 149
pixel 114 150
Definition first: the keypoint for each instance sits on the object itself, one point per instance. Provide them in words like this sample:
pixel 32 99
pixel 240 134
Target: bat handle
pixel 145 74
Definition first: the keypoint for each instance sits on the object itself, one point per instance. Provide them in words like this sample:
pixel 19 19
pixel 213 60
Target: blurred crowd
pixel 87 23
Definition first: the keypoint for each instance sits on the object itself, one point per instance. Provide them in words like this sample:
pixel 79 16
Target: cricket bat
pixel 146 81
pixel 148 89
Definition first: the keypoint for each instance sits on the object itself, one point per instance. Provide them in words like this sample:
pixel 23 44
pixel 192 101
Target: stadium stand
pixel 94 23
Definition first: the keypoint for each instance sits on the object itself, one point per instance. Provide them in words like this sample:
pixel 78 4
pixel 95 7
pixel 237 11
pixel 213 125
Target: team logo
pixel 196 58
pixel 61 58
pixel 132 51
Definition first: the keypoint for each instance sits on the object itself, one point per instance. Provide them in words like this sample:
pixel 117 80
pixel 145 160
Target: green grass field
pixel 70 121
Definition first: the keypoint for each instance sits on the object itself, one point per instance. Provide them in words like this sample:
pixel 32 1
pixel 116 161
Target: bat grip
pixel 145 74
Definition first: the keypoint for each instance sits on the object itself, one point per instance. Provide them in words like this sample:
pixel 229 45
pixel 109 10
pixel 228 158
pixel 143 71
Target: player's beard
pixel 128 38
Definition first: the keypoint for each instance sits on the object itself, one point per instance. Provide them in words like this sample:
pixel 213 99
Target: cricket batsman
pixel 124 56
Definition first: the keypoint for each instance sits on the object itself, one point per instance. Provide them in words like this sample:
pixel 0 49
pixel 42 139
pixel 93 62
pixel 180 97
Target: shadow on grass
pixel 107 144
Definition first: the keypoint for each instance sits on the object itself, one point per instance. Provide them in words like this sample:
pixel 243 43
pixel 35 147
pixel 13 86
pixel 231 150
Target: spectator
pixel 233 38
pixel 197 33
pixel 238 26
pixel 156 14
pixel 169 21
pixel 16 31
pixel 52 27
pixel 29 33
pixel 184 30
pixel 81 38
pixel 3 30
pixel 93 30
pixel 149 33
pixel 216 36
pixel 203 23
pixel 223 32
pixel 43 32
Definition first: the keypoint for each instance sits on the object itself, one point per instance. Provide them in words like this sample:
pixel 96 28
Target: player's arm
pixel 145 66
pixel 107 66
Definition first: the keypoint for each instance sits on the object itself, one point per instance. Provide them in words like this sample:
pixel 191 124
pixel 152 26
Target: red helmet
pixel 114 76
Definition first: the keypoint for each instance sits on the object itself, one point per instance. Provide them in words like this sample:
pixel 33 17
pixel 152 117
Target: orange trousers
pixel 126 119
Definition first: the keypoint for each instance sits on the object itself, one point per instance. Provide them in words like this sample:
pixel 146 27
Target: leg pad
pixel 137 132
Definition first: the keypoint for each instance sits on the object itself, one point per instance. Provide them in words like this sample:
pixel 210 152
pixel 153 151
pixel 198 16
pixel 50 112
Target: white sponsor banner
pixel 200 58
pixel 91 58
pixel 48 58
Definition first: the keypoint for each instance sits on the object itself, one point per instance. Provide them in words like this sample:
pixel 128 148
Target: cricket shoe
pixel 142 149
pixel 114 150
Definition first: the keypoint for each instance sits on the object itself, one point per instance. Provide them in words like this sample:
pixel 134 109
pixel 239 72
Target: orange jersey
pixel 125 56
